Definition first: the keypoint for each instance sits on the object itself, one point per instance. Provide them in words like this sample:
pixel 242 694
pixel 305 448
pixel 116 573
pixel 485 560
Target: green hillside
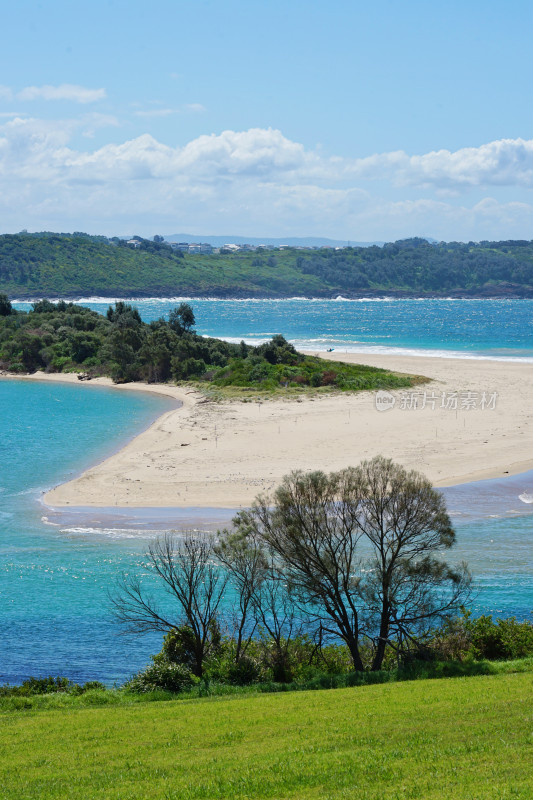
pixel 64 265
pixel 461 738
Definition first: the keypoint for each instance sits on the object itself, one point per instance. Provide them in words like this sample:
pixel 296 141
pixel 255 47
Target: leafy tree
pixel 361 550
pixel 408 587
pixel 181 319
pixel 43 307
pixel 279 351
pixel 156 353
pixel 5 306
pixel 310 524
pixel 124 315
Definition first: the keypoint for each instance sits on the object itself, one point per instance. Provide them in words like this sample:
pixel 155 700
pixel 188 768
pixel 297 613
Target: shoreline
pixel 221 455
pixel 390 294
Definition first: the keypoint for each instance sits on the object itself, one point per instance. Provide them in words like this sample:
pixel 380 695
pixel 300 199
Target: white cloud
pixel 258 151
pixel 506 162
pixel 254 181
pixel 486 219
pixel 66 91
pixel 5 93
pixel 90 123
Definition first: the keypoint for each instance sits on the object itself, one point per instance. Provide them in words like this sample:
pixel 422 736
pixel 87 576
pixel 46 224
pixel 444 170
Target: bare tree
pixel 195 584
pixel 246 563
pixel 277 615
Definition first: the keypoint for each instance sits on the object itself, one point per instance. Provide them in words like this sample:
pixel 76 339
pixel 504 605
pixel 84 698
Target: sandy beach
pixel 474 420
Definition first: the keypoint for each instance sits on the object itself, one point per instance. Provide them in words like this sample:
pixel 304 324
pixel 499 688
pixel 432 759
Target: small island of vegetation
pixel 65 337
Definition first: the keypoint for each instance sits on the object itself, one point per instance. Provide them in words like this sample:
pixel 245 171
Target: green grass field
pixel 460 738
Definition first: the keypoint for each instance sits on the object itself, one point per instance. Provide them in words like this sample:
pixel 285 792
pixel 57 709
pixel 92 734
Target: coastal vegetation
pixel 65 337
pixel 78 265
pixel 332 580
pixel 350 565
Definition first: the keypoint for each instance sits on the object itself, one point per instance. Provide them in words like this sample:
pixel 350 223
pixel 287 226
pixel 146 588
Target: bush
pixel 504 639
pixel 243 672
pixel 482 638
pixel 162 675
pixel 31 686
pixel 49 685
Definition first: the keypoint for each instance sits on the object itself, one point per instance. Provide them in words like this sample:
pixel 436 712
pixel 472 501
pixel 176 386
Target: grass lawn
pixel 457 738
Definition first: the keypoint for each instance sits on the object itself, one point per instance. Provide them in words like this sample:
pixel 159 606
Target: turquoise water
pixel 467 328
pixel 53 583
pixel 55 571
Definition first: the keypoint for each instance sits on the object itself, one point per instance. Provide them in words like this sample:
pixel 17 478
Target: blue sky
pixel 345 119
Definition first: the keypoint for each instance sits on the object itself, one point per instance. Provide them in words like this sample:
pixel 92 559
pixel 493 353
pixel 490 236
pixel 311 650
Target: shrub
pixel 31 686
pixel 482 638
pixel 243 672
pixel 503 639
pixel 329 377
pixel 162 675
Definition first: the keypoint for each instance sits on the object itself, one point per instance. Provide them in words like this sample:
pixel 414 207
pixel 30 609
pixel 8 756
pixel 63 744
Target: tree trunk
pixel 199 665
pixel 356 656
pixel 379 655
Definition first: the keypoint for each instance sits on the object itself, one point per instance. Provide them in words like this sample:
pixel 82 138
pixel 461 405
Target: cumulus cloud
pixel 252 181
pixel 256 153
pixel 506 162
pixel 66 91
pixel 5 93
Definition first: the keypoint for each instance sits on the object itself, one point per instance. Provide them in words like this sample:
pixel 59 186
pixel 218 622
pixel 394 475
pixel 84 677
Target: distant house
pixel 203 247
pixel 133 243
pixel 183 246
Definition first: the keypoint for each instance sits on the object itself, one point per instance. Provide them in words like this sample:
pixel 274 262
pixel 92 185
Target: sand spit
pixel 474 420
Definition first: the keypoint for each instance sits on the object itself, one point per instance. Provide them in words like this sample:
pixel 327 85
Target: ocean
pixel 56 572
pixel 437 327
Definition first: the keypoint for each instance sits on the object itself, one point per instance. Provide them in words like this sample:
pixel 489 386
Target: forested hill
pixel 64 265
